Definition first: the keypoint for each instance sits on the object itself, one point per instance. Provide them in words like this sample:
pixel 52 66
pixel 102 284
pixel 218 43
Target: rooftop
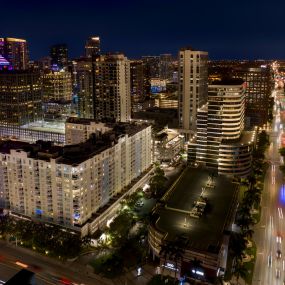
pixel 204 233
pixel 129 128
pixel 73 154
pixel 43 126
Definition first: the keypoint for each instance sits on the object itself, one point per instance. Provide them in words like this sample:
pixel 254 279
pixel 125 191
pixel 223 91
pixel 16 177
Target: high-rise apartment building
pixel 68 185
pixel 15 51
pixel 112 98
pixel 221 143
pixel 20 97
pixel 193 77
pixel 57 86
pixel 92 47
pixel 104 88
pixel 59 55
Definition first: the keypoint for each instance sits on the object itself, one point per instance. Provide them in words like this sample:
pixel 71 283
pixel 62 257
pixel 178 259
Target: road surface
pixel 270 232
pixel 48 271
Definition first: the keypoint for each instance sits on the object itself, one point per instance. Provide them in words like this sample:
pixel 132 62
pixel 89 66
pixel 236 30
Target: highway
pixel 48 271
pixel 270 232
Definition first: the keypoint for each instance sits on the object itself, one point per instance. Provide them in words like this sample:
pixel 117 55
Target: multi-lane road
pixel 270 232
pixel 48 271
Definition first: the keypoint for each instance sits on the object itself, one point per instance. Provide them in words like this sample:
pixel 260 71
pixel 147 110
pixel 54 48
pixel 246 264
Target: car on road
pixel 278 273
pixel 278 254
pixel 278 239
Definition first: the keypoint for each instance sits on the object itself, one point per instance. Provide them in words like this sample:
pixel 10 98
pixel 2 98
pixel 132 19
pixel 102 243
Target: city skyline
pixel 226 30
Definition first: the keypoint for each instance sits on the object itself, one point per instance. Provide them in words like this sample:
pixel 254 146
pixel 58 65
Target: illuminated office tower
pixel 193 77
pixel 15 51
pixel 258 81
pixel 92 47
pixel 20 97
pixel 59 55
pixel 57 86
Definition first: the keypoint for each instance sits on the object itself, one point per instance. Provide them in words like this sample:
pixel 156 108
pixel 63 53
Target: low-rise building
pixel 168 144
pixel 189 229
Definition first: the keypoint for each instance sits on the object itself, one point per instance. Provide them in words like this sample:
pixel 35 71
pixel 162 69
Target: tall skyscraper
pixel 193 77
pixel 57 86
pixel 92 47
pixel 59 55
pixel 221 143
pixel 20 97
pixel 15 51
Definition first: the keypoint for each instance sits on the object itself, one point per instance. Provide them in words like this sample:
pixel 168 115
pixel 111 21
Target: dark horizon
pixel 226 30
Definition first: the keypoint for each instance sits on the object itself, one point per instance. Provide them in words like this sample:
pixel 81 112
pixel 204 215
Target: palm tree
pixel 165 251
pixel 240 271
pixel 157 181
pixel 282 151
pixel 245 222
pixel 248 233
pixel 251 180
pixel 173 250
pixel 237 246
pixel 178 255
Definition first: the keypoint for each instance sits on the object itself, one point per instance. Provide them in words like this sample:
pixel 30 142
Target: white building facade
pixel 68 185
pixel 221 142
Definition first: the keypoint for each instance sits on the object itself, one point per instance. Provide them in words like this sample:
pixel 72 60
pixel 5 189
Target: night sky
pixel 227 29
